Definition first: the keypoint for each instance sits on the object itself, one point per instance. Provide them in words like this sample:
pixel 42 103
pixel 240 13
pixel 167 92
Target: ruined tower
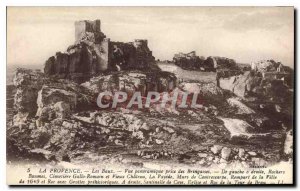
pixel 93 53
pixel 84 27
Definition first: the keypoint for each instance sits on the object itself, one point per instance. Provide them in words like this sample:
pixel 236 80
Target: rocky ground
pixel 55 120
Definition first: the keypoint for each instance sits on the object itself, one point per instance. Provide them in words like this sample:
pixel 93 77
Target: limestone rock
pixel 288 143
pixel 241 153
pixel 263 86
pixel 191 61
pixel 60 99
pixel 267 66
pixel 62 109
pixel 20 118
pixel 27 83
pixel 237 127
pixel 216 149
pixel 241 107
pixel 131 82
pixel 225 153
pixel 252 153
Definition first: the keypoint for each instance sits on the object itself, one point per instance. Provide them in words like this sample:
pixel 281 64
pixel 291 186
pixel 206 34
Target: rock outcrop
pixel 27 83
pixel 221 63
pixel 131 82
pixel 270 69
pixel 252 84
pixel 190 61
pixel 267 66
pixel 241 107
pixel 265 90
pixel 57 102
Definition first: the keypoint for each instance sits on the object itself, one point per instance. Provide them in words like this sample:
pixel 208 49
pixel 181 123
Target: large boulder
pixel 27 83
pixel 240 106
pixel 241 84
pixel 252 84
pixel 237 127
pixel 59 100
pixel 208 93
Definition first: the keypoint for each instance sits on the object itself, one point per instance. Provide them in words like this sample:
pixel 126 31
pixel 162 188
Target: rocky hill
pixel 58 120
pixel 241 120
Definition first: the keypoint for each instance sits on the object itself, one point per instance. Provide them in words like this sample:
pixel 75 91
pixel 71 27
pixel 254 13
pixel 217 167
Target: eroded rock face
pixel 267 66
pixel 190 61
pixel 61 99
pixel 27 84
pixel 237 127
pixel 241 107
pixel 47 98
pixel 251 84
pixel 208 92
pixel 131 82
pixel 266 90
pixel 55 103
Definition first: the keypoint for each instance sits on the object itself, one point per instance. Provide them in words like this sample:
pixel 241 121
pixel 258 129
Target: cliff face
pixel 93 53
pixel 27 84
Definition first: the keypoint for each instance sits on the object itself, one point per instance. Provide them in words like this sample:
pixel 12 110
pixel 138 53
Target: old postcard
pixel 150 95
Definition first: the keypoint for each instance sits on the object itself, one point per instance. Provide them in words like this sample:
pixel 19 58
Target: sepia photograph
pixel 150 95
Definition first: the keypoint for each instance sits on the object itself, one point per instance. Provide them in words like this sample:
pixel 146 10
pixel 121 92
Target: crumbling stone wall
pixel 130 56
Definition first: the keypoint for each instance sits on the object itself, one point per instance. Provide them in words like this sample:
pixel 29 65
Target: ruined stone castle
pixel 93 53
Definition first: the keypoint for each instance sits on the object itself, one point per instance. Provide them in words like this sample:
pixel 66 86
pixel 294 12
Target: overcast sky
pixel 245 34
